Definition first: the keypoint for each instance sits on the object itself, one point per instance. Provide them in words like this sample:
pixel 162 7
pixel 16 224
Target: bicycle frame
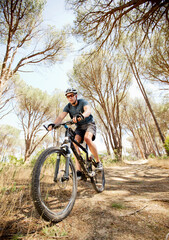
pixel 54 198
pixel 65 149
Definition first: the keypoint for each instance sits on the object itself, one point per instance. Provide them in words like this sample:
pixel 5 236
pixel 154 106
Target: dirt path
pixel 134 206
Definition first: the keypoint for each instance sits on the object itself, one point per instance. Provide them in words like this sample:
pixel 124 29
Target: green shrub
pixel 16 161
pixel 151 156
pixel 50 160
pixel 35 157
pixel 166 145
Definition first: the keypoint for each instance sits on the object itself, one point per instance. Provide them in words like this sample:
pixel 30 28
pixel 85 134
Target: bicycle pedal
pixel 91 174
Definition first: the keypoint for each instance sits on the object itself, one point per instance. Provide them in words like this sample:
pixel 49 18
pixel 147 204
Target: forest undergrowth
pixel 116 209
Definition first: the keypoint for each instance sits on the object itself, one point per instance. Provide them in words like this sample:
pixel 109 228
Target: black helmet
pixel 70 90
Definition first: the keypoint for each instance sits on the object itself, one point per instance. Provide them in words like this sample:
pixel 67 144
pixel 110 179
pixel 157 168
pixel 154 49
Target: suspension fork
pixel 57 167
pixel 66 146
pixel 66 174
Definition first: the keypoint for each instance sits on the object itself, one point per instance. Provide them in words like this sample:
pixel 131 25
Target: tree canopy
pixel 24 39
pixel 157 64
pixel 9 140
pixel 33 108
pixel 102 21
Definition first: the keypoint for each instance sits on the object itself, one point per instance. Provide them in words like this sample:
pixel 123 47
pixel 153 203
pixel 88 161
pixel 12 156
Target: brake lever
pixel 46 128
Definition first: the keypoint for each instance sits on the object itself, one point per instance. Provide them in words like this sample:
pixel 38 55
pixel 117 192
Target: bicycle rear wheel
pixel 98 180
pixel 53 200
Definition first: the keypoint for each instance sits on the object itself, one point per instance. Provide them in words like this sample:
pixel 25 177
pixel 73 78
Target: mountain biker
pixel 85 125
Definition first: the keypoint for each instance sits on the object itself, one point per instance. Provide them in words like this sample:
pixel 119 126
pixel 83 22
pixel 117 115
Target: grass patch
pixel 118 205
pixel 54 231
pixel 17 237
pixel 19 219
pixel 109 161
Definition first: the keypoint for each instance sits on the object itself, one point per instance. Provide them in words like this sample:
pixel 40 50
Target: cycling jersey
pixel 79 108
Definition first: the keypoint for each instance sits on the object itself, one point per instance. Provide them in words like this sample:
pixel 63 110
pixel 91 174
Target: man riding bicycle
pixel 85 125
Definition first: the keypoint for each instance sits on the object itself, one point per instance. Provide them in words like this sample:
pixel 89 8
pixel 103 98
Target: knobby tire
pixel 98 181
pixel 53 200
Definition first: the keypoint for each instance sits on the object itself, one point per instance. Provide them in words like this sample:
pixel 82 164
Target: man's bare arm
pixel 87 111
pixel 58 120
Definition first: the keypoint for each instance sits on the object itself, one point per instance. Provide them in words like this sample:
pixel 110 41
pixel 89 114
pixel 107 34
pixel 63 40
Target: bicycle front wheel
pixel 53 199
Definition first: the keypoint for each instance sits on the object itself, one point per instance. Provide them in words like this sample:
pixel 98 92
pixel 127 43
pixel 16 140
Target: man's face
pixel 71 97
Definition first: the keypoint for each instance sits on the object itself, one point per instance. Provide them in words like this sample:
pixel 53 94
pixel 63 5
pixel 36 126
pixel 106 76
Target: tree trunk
pixel 105 138
pixel 133 66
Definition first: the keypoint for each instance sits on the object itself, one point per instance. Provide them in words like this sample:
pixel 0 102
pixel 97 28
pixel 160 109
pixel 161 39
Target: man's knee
pixel 78 138
pixel 88 139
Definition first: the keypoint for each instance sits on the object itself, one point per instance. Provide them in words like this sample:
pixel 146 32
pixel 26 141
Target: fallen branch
pixel 160 200
pixel 132 213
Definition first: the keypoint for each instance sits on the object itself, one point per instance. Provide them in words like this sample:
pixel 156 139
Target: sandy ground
pixel 133 206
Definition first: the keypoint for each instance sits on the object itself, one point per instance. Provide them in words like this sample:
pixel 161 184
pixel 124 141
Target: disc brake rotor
pixel 60 179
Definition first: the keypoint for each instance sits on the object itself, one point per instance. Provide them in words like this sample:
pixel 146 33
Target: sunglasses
pixel 70 96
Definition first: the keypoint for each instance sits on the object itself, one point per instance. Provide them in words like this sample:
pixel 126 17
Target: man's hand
pixel 50 126
pixel 78 118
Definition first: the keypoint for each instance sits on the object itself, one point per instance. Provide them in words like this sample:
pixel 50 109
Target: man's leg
pixel 78 139
pixel 88 139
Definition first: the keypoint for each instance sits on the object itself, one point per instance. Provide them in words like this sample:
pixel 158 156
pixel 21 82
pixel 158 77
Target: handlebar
pixel 54 126
pixel 65 123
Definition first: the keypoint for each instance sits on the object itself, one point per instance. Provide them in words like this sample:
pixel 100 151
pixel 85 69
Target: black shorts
pixel 89 127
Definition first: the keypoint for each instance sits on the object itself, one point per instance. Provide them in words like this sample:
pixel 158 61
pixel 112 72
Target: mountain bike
pixel 54 178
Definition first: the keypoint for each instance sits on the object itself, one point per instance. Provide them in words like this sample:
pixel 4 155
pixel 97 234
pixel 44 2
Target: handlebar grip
pixel 79 115
pixel 51 124
pixel 56 126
